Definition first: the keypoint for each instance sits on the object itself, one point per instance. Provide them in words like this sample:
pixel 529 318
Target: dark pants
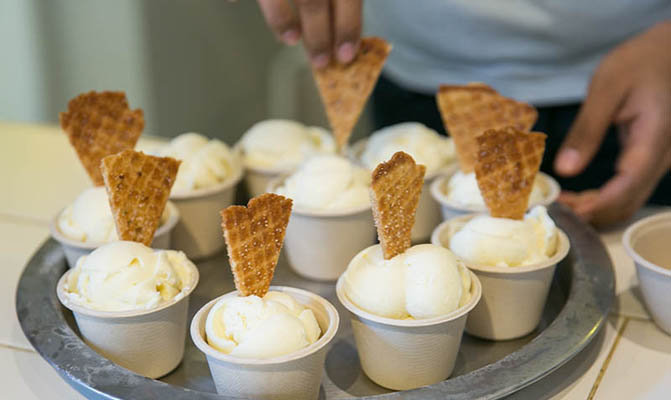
pixel 393 104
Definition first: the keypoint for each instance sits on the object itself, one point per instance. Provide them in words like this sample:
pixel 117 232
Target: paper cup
pixel 257 180
pixel 198 233
pixel 513 298
pixel 320 244
pixel 74 249
pixel 450 209
pixel 406 354
pixel 427 216
pixel 647 242
pixel 147 342
pixel 291 376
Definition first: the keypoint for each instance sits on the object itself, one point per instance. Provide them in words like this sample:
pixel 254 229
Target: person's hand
pixel 328 27
pixel 632 89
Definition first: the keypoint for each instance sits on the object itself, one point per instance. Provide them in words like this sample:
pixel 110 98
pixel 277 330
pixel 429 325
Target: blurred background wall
pixel 209 66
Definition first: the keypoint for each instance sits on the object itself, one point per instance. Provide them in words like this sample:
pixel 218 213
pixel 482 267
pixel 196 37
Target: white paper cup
pixel 450 209
pixel 513 298
pixel 74 248
pixel 296 375
pixel 648 242
pixel 405 354
pixel 257 180
pixel 147 342
pixel 320 244
pixel 198 233
pixel 427 216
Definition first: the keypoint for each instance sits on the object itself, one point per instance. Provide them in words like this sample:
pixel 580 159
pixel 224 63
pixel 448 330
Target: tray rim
pixel 588 302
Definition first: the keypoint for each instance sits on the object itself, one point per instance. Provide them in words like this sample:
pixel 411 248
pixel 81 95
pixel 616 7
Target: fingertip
pixel 568 162
pixel 346 52
pixel 290 37
pixel 320 61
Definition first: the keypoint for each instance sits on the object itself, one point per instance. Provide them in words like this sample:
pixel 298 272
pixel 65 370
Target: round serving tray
pixel 580 297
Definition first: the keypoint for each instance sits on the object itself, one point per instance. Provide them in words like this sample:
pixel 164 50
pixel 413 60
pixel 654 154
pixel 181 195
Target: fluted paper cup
pixel 74 249
pixel 427 216
pixel 320 244
pixel 405 354
pixel 513 298
pixel 450 209
pixel 147 342
pixel 292 376
pixel 647 242
pixel 198 233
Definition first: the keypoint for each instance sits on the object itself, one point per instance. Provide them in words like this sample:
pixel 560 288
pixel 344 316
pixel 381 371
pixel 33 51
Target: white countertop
pixel 40 174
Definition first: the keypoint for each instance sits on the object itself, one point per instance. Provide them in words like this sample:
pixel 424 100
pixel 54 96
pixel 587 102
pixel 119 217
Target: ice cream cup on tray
pixel 647 242
pixel 148 340
pixel 276 147
pixel 546 194
pixel 320 243
pixel 76 248
pixel 206 183
pixel 403 354
pixel 296 375
pixel 513 297
pixel 427 147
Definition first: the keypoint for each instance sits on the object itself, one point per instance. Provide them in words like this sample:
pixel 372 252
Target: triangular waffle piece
pixel 507 164
pixel 395 190
pixel 470 110
pixel 344 89
pixel 138 186
pixel 254 237
pixel 99 125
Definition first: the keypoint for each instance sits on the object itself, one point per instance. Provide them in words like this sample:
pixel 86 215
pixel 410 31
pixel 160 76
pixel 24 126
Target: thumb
pixel 596 114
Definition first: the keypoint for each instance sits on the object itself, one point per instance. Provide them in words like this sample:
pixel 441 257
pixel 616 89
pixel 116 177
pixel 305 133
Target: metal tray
pixel 579 300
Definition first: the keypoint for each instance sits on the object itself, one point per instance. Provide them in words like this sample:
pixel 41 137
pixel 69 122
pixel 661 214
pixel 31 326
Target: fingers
pixel 347 29
pixel 316 27
pixel 605 94
pixel 282 20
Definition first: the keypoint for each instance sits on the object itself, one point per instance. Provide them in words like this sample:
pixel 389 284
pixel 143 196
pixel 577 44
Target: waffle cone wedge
pixel 138 187
pixel 507 164
pixel 395 189
pixel 472 109
pixel 99 125
pixel 254 236
pixel 344 89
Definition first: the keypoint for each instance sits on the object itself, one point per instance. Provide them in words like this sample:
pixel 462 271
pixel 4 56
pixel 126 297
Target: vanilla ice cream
pixel 89 218
pixel 463 189
pixel 503 242
pixel 328 182
pixel 423 282
pixel 282 144
pixel 254 327
pixel 425 145
pixel 205 162
pixel 125 276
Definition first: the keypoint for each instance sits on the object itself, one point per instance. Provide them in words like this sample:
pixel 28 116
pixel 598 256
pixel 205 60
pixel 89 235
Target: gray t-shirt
pixel 541 51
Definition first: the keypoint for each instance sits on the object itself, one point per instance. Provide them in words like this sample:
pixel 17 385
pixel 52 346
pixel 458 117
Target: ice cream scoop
pixel 425 146
pixel 462 189
pixel 423 282
pixel 503 242
pixel 282 144
pixel 89 218
pixel 123 276
pixel 255 327
pixel 327 182
pixel 205 162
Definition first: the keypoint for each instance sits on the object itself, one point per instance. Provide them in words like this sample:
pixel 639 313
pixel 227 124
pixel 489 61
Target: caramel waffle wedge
pixel 470 110
pixel 138 187
pixel 254 237
pixel 344 89
pixel 507 164
pixel 395 190
pixel 99 125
